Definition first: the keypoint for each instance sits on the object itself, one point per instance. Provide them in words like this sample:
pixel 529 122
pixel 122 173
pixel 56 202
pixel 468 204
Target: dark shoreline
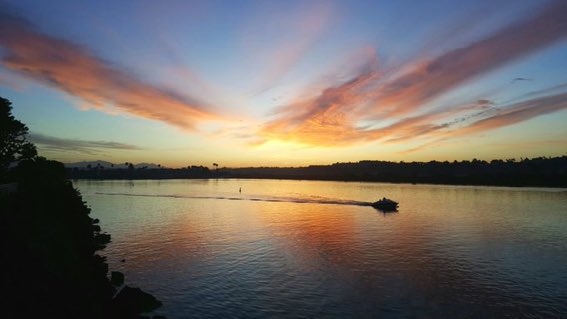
pixel 536 172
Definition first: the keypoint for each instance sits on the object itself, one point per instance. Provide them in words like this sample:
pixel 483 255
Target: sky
pixel 287 83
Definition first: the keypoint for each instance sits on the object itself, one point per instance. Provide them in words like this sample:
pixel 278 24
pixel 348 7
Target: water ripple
pixel 256 199
pixel 452 252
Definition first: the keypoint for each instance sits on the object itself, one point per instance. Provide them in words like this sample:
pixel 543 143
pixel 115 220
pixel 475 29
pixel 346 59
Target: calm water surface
pixel 308 249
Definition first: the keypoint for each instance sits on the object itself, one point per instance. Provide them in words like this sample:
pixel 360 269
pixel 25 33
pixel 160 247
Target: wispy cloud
pixel 73 69
pixel 504 116
pixel 516 113
pixel 514 80
pixel 429 79
pixel 400 101
pixel 79 146
pixel 11 80
pixel 294 36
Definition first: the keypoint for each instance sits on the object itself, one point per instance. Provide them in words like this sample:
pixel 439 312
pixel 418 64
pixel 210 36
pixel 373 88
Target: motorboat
pixel 385 204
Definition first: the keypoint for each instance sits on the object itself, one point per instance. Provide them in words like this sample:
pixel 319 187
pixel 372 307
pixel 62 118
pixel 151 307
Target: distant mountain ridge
pixel 109 165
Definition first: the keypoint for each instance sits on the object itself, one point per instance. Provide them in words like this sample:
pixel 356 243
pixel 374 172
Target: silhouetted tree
pixel 13 143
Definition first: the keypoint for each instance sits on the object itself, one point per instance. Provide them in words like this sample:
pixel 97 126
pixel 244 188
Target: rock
pixel 116 278
pixel 130 301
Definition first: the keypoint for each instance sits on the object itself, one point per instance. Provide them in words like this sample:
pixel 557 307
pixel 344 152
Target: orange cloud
pixel 71 68
pixel 363 109
pixel 324 120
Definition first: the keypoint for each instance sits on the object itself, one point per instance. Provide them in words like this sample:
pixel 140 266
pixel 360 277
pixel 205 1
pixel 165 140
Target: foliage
pixel 140 173
pixel 13 143
pixel 540 171
pixel 49 243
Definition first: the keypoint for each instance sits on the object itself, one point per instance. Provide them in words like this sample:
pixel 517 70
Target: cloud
pixel 11 80
pixel 538 93
pixel 399 103
pixel 73 69
pixel 294 36
pixel 514 80
pixel 430 79
pixel 505 116
pixel 516 113
pixel 80 146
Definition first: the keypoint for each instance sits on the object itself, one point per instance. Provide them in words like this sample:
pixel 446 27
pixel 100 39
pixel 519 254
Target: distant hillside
pixel 537 172
pixel 540 171
pixel 108 165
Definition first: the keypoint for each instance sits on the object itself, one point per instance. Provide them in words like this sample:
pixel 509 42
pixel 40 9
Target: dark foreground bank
pixel 49 261
pixel 50 265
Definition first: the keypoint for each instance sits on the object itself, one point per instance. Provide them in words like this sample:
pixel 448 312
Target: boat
pixel 385 204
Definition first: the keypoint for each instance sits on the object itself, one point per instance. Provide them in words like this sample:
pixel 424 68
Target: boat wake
pixel 318 200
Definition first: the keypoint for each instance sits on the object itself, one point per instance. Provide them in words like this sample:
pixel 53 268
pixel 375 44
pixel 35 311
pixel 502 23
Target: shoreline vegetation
pixel 535 172
pixel 50 261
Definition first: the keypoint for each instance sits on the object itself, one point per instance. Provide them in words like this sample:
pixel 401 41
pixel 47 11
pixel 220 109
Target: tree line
pixel 538 171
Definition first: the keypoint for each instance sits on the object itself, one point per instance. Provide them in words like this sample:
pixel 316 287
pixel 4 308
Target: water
pixel 312 249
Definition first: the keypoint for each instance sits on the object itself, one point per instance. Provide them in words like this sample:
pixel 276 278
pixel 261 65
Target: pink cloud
pixel 334 116
pixel 68 67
